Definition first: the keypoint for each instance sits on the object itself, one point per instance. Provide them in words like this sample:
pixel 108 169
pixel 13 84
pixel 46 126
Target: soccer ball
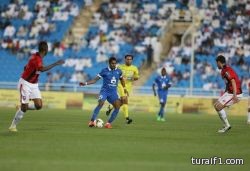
pixel 99 123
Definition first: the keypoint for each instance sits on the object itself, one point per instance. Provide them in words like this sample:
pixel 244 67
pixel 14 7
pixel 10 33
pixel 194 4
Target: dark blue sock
pixel 113 115
pixel 96 112
pixel 161 111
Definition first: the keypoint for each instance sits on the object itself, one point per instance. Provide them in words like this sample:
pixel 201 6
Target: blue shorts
pixel 111 96
pixel 162 95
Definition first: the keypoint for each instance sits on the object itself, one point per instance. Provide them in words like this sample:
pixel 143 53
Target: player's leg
pixel 18 116
pixel 101 100
pixel 223 116
pixel 36 98
pixel 248 118
pixel 24 91
pixel 116 102
pixel 219 106
pixel 161 112
pixel 162 105
pixel 36 105
pixel 121 93
pixel 124 109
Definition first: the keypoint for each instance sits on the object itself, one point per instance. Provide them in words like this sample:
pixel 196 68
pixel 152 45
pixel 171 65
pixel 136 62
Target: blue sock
pixel 113 115
pixel 96 112
pixel 161 111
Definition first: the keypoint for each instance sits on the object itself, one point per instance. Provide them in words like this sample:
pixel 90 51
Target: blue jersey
pixel 110 78
pixel 162 82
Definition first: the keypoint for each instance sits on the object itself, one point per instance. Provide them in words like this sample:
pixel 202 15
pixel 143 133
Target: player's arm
pixel 168 86
pixel 122 81
pixel 136 75
pixel 235 98
pixel 46 68
pixel 93 81
pixel 153 88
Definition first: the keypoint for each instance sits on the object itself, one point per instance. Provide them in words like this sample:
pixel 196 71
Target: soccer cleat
pixel 158 118
pixel 163 119
pixel 109 110
pixel 91 124
pixel 248 122
pixel 129 120
pixel 108 125
pixel 224 129
pixel 12 129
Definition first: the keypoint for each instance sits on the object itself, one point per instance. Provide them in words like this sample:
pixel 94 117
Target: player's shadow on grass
pixel 8 134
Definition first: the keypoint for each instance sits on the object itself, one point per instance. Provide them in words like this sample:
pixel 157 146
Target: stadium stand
pixel 24 23
pixel 121 27
pixel 116 30
pixel 213 37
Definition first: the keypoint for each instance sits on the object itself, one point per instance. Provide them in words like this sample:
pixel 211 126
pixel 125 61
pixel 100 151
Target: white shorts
pixel 28 91
pixel 226 99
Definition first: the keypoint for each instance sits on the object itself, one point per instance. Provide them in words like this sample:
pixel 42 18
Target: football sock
pixel 223 116
pixel 248 119
pixel 113 115
pixel 125 110
pixel 31 106
pixel 96 112
pixel 161 112
pixel 17 118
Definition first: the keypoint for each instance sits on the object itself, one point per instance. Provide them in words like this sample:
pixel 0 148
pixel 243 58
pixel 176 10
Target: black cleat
pixel 129 120
pixel 109 110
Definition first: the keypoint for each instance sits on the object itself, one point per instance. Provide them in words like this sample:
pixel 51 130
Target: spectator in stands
pixel 101 57
pixel 9 31
pixel 78 76
pixel 22 31
pixel 149 55
pixel 58 48
pixel 157 49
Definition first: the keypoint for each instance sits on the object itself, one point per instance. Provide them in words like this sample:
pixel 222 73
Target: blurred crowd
pixel 225 29
pixel 119 27
pixel 23 25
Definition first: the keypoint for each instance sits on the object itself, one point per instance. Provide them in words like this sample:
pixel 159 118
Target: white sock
pixel 17 118
pixel 223 116
pixel 31 106
pixel 248 118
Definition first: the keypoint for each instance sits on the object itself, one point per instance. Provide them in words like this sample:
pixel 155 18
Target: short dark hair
pixel 221 59
pixel 43 46
pixel 128 56
pixel 112 59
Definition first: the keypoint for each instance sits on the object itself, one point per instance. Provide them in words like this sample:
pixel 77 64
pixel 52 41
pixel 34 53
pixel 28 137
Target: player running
pixel 130 73
pixel 28 84
pixel 232 94
pixel 163 83
pixel 111 75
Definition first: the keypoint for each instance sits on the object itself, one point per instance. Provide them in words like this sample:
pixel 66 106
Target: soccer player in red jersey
pixel 232 94
pixel 28 83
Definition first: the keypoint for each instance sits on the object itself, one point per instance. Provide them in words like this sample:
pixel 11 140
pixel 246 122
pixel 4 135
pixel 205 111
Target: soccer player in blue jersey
pixel 111 75
pixel 163 83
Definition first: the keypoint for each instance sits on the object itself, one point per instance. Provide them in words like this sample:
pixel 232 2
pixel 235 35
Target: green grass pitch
pixel 59 140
